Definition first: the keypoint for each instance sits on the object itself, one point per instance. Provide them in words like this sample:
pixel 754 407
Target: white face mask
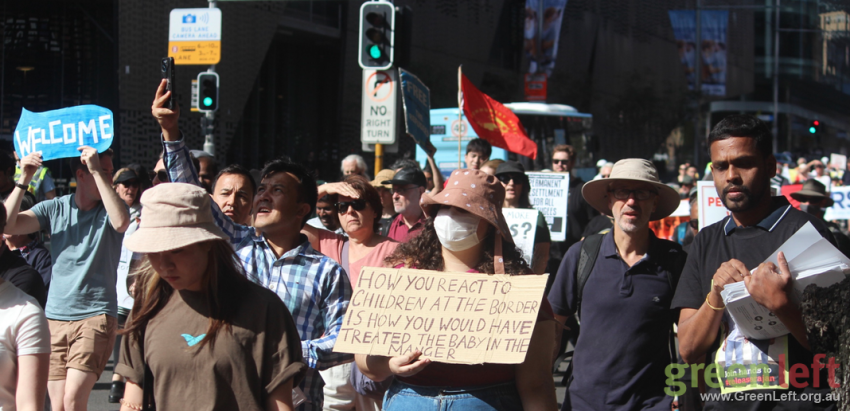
pixel 457 230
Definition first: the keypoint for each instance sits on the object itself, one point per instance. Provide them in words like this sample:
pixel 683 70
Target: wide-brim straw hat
pixel 595 192
pixel 174 215
pixel 815 189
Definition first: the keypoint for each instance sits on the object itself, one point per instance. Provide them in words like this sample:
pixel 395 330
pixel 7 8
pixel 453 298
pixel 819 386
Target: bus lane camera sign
pixel 378 120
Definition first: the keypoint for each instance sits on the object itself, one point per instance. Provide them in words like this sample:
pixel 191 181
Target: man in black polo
pixel 724 253
pixel 621 353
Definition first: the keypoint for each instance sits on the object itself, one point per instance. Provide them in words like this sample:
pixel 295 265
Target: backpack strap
pixel 587 258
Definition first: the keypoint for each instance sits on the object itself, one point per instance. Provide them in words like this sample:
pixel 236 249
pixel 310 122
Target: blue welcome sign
pixel 59 133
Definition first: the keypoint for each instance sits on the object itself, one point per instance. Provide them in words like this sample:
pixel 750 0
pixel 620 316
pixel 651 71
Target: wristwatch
pixel 22 186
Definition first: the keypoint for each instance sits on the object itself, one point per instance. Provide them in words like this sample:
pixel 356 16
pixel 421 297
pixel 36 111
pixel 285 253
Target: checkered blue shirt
pixel 313 286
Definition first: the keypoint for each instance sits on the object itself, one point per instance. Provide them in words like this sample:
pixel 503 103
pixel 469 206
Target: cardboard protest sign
pixel 523 225
pixel 458 318
pixel 58 133
pixel 548 195
pixel 838 161
pixel 711 209
pixel 416 101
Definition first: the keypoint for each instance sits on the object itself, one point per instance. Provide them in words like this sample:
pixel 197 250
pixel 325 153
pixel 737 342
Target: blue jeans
pixel 408 397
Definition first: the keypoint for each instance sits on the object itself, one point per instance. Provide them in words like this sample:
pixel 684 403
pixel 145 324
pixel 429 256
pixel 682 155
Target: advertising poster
pixel 713 28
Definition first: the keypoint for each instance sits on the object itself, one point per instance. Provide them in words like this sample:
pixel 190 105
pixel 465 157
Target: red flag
pixel 494 122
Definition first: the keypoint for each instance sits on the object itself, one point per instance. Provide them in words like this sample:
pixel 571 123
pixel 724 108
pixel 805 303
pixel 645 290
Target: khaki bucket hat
pixel 174 215
pixel 815 189
pixel 632 169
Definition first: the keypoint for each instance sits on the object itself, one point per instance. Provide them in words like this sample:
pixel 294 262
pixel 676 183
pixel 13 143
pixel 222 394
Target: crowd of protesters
pixel 226 289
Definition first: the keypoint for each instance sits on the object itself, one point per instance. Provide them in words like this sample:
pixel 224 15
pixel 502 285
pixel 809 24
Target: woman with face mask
pixel 466 232
pixel 513 178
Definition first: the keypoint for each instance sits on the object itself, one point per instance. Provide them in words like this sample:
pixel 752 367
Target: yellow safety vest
pixel 36 179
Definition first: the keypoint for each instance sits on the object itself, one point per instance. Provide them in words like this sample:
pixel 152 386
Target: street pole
pixel 379 157
pixel 775 126
pixel 698 86
pixel 207 123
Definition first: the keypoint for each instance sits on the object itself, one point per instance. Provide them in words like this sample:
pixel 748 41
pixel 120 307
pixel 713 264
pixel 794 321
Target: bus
pixel 547 124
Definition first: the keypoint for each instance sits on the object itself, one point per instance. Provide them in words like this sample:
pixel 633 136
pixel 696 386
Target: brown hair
pixel 424 252
pixel 369 194
pixel 224 283
pixel 566 148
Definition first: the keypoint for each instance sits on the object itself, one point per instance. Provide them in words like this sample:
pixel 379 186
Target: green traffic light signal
pixel 375 51
pixel 208 101
pixel 812 130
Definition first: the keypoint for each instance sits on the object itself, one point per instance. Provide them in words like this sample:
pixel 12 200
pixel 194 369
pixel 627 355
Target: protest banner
pixel 548 195
pixel 416 101
pixel 841 209
pixel 523 225
pixel 58 133
pixel 711 209
pixel 458 318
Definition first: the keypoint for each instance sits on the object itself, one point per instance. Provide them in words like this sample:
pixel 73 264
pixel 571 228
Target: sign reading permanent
pixel 194 36
pixel 416 101
pixel 377 122
pixel 459 318
pixel 548 195
pixel 59 133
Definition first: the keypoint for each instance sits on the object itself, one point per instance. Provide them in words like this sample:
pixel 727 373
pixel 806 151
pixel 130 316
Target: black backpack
pixel 587 258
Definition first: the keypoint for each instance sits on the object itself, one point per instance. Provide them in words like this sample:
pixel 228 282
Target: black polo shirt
pixel 721 242
pixel 622 350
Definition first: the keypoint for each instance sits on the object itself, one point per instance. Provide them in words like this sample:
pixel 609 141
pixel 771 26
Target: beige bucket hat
pixel 174 215
pixel 632 169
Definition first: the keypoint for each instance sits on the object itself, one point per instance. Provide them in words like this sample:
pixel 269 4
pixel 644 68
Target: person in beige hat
pixel 465 231
pixel 624 301
pixel 211 338
pixel 386 192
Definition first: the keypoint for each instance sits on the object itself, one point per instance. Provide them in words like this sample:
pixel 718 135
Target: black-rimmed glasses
pixel 624 194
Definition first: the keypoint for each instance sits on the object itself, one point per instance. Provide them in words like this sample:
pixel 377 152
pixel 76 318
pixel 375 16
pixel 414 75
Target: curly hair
pixel 424 252
pixel 369 194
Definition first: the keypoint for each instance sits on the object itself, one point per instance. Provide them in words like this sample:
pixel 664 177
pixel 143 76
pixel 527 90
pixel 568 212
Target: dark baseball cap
pixel 125 176
pixel 408 175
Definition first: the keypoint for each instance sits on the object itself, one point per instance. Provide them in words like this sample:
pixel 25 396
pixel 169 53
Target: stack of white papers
pixel 812 260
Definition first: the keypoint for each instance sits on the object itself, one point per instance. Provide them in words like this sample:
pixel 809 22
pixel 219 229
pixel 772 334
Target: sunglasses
pixel 162 175
pixel 506 178
pixel 560 161
pixel 624 194
pixel 357 205
pixel 401 191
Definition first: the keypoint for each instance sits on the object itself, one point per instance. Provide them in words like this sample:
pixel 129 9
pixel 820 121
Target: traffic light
pixel 814 127
pixel 207 91
pixel 377 32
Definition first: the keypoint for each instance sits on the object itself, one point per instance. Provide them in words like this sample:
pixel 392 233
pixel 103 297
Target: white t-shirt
pixel 23 331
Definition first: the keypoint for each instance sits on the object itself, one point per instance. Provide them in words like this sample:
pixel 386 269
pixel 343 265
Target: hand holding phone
pixel 167 68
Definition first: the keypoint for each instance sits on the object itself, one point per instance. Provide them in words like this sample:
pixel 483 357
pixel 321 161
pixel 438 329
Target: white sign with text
pixel 711 209
pixel 549 193
pixel 523 225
